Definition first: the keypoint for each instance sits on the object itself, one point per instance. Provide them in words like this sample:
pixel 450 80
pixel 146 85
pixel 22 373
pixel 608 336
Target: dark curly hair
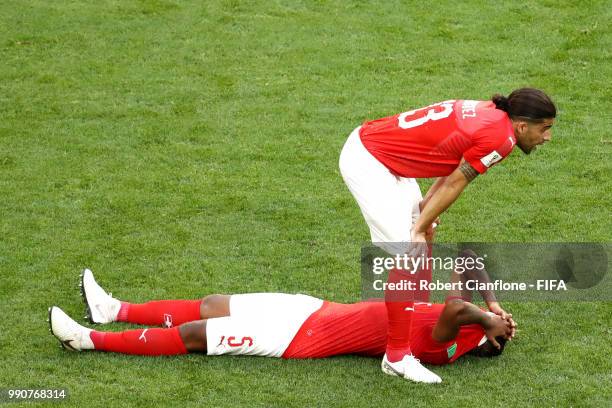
pixel 487 349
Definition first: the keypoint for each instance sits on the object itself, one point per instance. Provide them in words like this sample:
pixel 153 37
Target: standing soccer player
pixel 455 141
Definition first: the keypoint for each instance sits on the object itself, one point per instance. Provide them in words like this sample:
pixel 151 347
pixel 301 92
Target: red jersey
pixel 361 328
pixel 431 141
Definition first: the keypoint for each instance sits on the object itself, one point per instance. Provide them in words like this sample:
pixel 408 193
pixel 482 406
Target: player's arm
pixel 460 280
pixel 480 275
pixel 434 187
pixel 476 274
pixel 443 196
pixel 458 313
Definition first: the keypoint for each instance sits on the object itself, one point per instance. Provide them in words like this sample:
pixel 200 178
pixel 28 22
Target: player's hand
pixel 429 235
pixel 418 237
pixel 418 245
pixel 494 307
pixel 496 326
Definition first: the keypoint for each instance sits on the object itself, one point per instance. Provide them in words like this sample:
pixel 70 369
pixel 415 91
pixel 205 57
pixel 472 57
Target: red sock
pixel 161 312
pixel 398 329
pixel 145 342
pixel 424 274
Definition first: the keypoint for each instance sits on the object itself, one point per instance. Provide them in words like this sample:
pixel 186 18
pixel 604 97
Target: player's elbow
pixel 454 309
pixel 449 322
pixel 470 260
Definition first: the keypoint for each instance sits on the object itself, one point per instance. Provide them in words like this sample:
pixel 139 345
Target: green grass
pixel 186 148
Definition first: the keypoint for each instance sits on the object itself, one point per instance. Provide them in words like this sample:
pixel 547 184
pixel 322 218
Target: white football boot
pixel 102 307
pixel 411 369
pixel 71 335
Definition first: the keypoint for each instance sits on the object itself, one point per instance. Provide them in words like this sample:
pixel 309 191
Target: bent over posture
pixel 453 141
pixel 276 325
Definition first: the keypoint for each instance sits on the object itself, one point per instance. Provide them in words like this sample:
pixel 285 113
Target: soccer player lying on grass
pixel 277 325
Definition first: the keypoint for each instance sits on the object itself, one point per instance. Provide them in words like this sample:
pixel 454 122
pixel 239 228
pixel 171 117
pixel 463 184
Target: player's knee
pixel 206 305
pixel 214 306
pixel 193 335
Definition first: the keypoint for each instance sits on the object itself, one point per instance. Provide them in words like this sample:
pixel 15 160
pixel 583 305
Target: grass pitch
pixel 186 148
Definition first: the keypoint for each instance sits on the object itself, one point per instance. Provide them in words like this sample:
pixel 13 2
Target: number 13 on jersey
pixel 417 117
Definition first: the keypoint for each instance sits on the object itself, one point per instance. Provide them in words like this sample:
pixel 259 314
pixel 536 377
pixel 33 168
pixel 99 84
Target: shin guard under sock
pixel 168 313
pixel 146 342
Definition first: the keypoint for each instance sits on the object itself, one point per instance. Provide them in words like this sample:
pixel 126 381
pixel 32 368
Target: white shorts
pixel 259 324
pixel 389 203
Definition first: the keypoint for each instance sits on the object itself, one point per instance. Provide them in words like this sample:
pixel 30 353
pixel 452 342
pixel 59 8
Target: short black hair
pixel 487 349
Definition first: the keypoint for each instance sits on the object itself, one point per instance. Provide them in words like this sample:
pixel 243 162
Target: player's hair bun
pixel 501 102
pixel 527 103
